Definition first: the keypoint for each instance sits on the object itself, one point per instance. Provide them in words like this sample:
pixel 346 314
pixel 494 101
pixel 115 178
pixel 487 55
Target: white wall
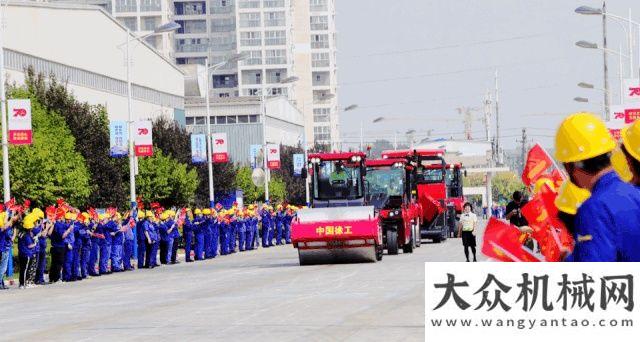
pixel 86 38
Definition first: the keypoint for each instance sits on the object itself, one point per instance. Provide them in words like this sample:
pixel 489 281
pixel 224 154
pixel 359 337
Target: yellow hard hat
pixel 149 213
pixel 164 216
pixel 70 216
pixel 538 186
pixel 631 139
pixel 29 221
pixel 619 163
pixel 570 197
pixel 582 136
pixel 206 211
pixel 197 211
pixel 38 212
pixel 102 216
pixel 3 216
pixel 140 214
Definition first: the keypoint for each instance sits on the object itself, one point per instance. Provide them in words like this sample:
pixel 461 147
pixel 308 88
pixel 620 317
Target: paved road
pixel 259 295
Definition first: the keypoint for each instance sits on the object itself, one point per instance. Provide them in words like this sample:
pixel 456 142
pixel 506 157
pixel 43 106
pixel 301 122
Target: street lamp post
pixel 208 69
pixel 6 185
pixel 585 85
pixel 607 94
pixel 168 27
pixel 263 112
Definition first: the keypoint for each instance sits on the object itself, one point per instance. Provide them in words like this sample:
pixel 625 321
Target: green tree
pixel 243 181
pixel 293 186
pixel 163 179
pixel 51 167
pixel 504 184
pixel 175 141
pixel 89 125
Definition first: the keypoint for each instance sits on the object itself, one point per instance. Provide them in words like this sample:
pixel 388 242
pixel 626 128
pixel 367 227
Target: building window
pixel 250 39
pixel 274 19
pixel 319 41
pixel 223 43
pixel 126 6
pixel 130 23
pixel 249 19
pixel 223 95
pixel 231 119
pixel 243 119
pixel 253 118
pixel 192 26
pixel 253 58
pixel 222 6
pixel 249 3
pixel 321 114
pixel 318 5
pixel 321 133
pixel 319 23
pixel 275 38
pixel 273 3
pixel 276 57
pixel 200 120
pixel 221 120
pixel 320 60
pixel 190 8
pixel 223 25
pixel 189 120
pixel 150 5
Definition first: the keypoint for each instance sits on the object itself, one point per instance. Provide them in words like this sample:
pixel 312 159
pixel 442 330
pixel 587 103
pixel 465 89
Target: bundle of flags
pixel 504 242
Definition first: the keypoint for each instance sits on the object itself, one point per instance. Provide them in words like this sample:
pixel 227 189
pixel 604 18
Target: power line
pixel 451 46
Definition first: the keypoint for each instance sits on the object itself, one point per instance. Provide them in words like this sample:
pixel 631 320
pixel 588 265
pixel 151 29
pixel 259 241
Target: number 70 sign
pixel 19 113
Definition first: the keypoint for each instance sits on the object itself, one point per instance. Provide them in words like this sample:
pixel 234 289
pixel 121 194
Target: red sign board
pixel 219 152
pixel 143 138
pixel 273 156
pixel 20 132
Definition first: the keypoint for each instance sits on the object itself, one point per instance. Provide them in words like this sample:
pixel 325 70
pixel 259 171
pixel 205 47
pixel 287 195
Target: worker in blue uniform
pixel 187 235
pixel 80 232
pixel 241 229
pixel 164 237
pixel 155 225
pixel 272 227
pixel 85 252
pixel 265 219
pixel 223 222
pixel 607 224
pixel 206 232
pixel 214 227
pixel 129 240
pixel 69 241
pixel 42 251
pixel 108 230
pixel 97 238
pixel 198 232
pixel 279 221
pixel 249 220
pixel 175 238
pixel 151 237
pixel 141 238
pixel 631 149
pixel 117 243
pixel 286 224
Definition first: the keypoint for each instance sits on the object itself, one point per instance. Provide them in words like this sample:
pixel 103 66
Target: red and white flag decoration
pixel 20 132
pixel 631 90
pixel 273 156
pixel 143 138
pixel 219 148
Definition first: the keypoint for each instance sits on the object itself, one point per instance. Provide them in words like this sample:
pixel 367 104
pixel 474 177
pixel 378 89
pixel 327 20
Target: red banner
pixel 502 242
pixel 19 131
pixel 538 162
pixel 219 150
pixel 334 230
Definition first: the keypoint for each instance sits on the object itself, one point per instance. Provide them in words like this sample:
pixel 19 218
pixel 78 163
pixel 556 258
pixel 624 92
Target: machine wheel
pixel 379 252
pixel 408 247
pixel 437 240
pixel 416 235
pixel 303 261
pixel 392 242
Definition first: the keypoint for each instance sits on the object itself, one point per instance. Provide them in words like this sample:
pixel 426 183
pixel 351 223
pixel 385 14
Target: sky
pixel 414 62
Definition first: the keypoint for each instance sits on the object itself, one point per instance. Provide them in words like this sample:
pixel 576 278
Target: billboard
pixel 198 148
pixel 20 132
pixel 298 164
pixel 255 156
pixel 273 156
pixel 118 139
pixel 219 150
pixel 143 138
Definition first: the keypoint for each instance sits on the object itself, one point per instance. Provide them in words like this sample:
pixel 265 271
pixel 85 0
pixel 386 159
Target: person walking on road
pixel 467 229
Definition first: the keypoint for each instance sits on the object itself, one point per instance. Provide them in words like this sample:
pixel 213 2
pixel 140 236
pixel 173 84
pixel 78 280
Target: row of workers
pixel 85 245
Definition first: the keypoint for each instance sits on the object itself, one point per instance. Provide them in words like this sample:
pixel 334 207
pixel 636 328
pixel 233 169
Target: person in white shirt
pixel 467 229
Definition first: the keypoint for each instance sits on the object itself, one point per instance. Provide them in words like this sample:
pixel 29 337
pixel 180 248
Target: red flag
pixel 27 204
pixel 60 213
pixel 538 162
pixel 1 208
pixel 548 230
pixel 93 214
pixel 557 177
pixel 502 242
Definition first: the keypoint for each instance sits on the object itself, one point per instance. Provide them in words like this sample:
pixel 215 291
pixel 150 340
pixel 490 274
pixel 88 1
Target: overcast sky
pixel 415 61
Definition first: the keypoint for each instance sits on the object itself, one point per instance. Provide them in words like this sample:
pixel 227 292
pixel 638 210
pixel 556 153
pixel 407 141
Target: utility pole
pixel 604 54
pixel 489 174
pixel 523 156
pixel 498 157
